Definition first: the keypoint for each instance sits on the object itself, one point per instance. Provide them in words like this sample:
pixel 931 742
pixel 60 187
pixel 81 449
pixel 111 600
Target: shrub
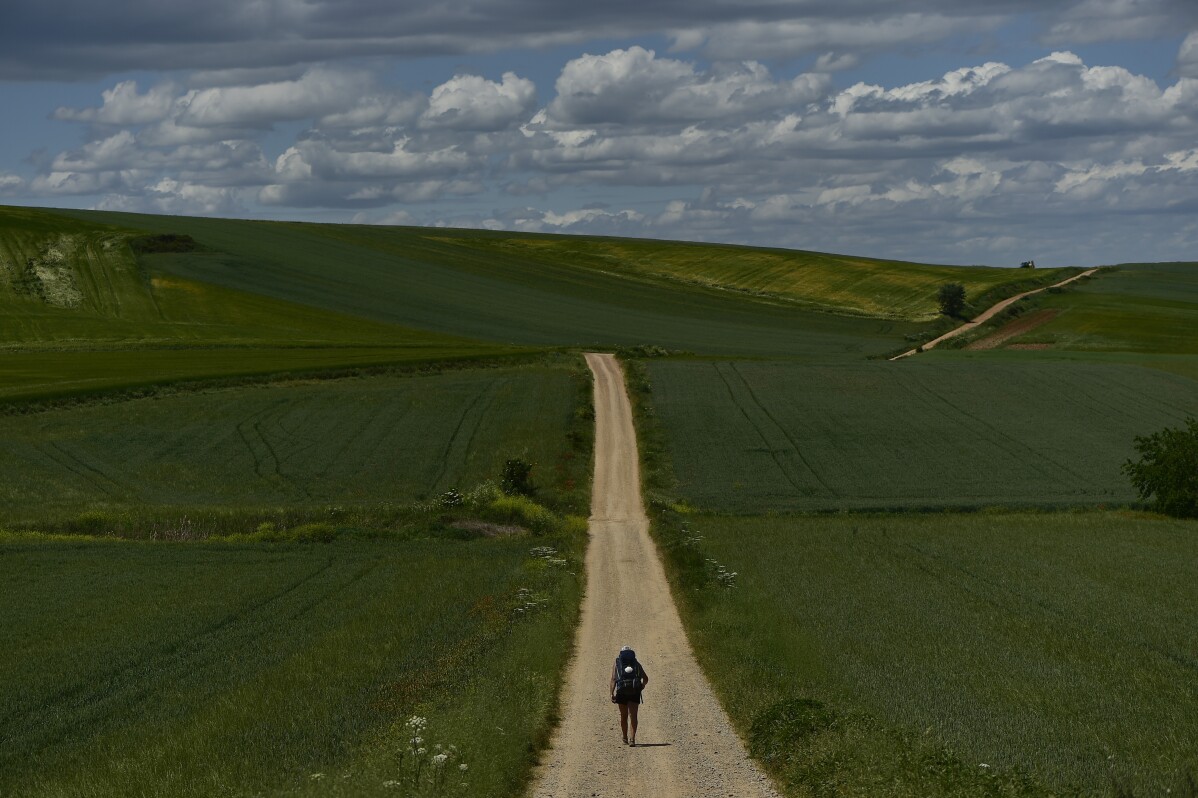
pixel 517 478
pixel 1168 469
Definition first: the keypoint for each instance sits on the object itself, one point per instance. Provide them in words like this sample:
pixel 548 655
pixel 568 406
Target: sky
pixel 950 131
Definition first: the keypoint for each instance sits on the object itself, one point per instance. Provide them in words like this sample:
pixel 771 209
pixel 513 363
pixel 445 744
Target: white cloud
pixel 318 92
pixel 10 184
pixel 470 102
pixel 1187 57
pixel 123 105
pixel 634 85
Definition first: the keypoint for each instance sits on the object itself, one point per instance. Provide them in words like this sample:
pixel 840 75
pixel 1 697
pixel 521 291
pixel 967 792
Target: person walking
pixel 628 680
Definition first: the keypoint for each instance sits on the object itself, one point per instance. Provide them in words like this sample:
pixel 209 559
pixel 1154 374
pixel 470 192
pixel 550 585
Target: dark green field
pixel 954 654
pixel 203 669
pixel 477 284
pixel 913 434
pixel 392 439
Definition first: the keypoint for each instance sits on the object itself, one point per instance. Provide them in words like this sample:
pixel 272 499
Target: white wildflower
pixel 463 767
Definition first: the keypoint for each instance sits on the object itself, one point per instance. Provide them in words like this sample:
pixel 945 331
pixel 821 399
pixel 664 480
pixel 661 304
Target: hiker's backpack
pixel 628 683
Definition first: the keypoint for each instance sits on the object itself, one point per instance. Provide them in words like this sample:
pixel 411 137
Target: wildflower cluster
pixel 527 601
pixel 423 770
pixel 722 576
pixel 549 555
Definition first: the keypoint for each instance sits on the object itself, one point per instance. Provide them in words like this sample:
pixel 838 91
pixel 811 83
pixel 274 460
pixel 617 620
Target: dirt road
pixel 685 746
pixel 989 313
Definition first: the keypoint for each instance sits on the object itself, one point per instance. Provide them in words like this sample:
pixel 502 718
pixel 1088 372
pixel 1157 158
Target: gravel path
pixel 989 313
pixel 685 745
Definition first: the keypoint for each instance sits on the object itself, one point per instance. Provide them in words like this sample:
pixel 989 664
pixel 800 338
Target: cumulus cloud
pixel 972 164
pixel 10 184
pixel 470 102
pixel 123 105
pixel 1187 57
pixel 318 92
pixel 634 85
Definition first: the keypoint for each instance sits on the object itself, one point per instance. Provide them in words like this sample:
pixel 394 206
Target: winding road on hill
pixel 989 313
pixel 685 745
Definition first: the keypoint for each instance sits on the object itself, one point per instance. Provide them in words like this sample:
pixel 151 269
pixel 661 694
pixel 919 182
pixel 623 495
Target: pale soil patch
pixel 1014 329
pixel 686 745
pixel 488 529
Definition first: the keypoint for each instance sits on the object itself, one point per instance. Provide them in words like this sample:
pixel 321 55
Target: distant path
pixel 686 746
pixel 989 313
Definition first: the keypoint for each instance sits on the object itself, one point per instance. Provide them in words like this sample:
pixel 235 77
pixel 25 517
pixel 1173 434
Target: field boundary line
pixel 988 314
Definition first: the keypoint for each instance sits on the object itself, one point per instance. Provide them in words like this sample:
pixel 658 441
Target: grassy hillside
pixel 1148 308
pixel 919 433
pixel 337 442
pixel 842 283
pixel 540 290
pixel 253 669
pixel 928 655
pixel 81 311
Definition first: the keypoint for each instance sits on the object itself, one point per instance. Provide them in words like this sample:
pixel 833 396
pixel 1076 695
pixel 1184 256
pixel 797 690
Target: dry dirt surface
pixel 686 746
pixel 989 313
pixel 1015 328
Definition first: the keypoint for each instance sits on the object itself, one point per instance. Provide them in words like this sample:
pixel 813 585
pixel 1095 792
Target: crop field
pixel 202 669
pixel 913 434
pixel 457 283
pixel 947 654
pixel 378 439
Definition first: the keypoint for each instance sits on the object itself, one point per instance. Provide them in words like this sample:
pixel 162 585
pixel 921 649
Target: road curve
pixel 685 746
pixel 988 314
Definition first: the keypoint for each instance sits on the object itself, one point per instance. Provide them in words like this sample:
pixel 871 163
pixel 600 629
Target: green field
pixel 912 434
pixel 393 439
pixel 501 288
pixel 256 384
pixel 1146 308
pixel 158 669
pixel 920 655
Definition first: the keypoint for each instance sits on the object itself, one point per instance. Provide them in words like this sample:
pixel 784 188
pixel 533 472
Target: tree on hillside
pixel 952 299
pixel 1168 469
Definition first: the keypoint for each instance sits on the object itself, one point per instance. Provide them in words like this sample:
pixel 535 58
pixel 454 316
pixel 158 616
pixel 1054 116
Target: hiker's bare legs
pixel 624 721
pixel 632 708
